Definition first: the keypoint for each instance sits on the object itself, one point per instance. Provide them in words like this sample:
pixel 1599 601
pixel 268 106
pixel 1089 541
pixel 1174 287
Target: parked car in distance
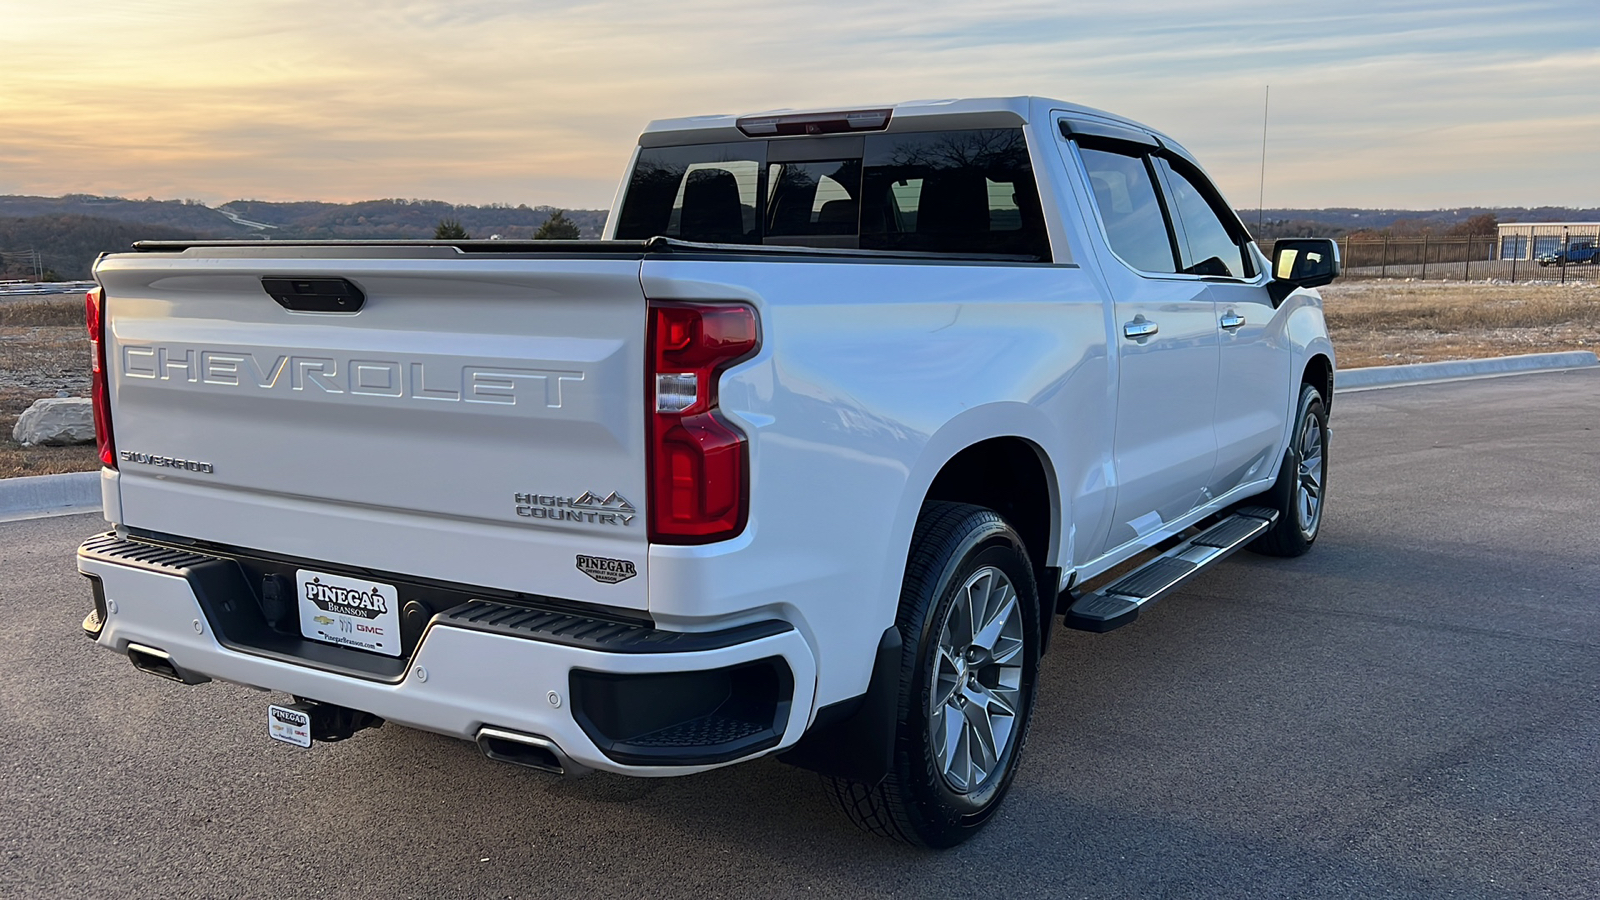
pixel 1575 254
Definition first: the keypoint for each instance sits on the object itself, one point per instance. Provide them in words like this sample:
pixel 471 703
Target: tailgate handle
pixel 315 295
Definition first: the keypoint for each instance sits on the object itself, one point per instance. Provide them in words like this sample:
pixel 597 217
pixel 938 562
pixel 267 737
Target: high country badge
pixel 613 509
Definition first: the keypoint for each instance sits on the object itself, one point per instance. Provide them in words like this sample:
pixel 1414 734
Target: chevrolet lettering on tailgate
pixel 410 380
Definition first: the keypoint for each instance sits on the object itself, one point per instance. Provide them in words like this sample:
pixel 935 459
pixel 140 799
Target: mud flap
pixel 854 738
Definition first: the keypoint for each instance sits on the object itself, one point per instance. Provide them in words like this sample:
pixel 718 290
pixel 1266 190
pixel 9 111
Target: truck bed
pixel 656 246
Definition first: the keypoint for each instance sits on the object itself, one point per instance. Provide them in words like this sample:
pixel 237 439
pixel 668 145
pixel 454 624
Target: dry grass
pixel 1378 323
pixel 43 351
pixel 66 310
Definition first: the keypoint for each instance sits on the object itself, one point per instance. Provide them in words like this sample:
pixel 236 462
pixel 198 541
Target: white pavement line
pixel 35 496
pixel 1374 377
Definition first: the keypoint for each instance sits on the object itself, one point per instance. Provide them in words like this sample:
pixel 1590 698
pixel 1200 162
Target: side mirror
pixel 1302 263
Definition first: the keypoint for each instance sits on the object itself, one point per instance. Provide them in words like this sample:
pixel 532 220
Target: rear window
pixel 967 191
pixel 952 192
pixel 708 192
pixel 813 199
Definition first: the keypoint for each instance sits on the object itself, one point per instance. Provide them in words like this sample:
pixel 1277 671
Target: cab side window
pixel 1125 192
pixel 1206 245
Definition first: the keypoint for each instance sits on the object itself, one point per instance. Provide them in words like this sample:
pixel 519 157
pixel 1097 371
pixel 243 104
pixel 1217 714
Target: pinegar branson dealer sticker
pixel 605 570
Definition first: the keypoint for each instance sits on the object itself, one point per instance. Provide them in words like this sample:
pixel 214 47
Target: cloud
pixel 1431 104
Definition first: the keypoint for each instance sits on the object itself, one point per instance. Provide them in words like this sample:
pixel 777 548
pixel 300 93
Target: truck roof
pixel 911 115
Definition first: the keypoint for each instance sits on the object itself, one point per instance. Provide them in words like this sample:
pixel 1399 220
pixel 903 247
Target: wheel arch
pixel 1011 475
pixel 1318 372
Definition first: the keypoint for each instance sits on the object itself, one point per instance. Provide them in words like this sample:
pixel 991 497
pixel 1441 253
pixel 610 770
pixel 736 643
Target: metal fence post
pixel 1424 257
pixel 1565 246
pixel 1383 270
pixel 1466 269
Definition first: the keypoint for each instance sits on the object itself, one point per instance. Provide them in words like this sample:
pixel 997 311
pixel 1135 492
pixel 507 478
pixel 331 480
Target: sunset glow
pixel 1430 105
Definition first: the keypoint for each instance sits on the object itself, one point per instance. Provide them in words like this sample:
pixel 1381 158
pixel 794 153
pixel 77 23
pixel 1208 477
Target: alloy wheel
pixel 1308 496
pixel 977 683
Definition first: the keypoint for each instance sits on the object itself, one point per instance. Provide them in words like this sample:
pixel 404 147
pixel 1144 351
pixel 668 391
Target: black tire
pixel 916 803
pixel 1292 534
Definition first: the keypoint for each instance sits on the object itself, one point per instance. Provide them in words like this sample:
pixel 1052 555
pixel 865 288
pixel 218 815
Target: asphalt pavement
pixel 1412 709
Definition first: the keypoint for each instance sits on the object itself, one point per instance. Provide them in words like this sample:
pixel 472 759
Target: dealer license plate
pixel 349 611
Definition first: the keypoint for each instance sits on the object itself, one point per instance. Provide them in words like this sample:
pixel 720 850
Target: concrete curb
pixel 33 496
pixel 1420 373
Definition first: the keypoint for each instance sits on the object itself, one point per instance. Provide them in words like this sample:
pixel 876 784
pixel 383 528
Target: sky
pixel 1409 105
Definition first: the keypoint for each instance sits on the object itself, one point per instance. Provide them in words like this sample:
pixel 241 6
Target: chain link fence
pixel 1473 258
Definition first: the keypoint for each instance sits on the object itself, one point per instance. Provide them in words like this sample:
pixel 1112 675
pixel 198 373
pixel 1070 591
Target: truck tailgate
pixel 479 421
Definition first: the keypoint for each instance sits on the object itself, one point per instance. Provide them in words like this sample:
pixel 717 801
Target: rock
pixel 56 421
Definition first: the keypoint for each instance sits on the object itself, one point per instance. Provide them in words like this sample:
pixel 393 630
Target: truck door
pixel 1254 385
pixel 1166 341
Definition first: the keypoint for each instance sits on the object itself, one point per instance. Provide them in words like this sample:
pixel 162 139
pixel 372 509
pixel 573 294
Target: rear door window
pixel 1135 222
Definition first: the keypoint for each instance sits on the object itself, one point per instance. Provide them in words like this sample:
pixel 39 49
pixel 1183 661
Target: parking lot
pixel 1413 709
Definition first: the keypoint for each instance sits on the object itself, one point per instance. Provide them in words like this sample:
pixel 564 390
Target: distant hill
pixel 69 244
pixel 190 215
pixel 70 231
pixel 307 220
pixel 1338 222
pixel 401 218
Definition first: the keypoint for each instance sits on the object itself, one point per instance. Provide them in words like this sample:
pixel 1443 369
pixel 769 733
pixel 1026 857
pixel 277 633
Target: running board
pixel 1118 604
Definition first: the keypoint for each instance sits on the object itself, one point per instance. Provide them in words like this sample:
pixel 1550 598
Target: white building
pixel 1526 240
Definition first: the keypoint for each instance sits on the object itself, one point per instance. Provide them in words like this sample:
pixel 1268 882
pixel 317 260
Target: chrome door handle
pixel 1231 319
pixel 1140 327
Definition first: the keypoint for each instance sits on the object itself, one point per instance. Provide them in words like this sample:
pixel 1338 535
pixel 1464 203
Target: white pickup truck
pixel 806 457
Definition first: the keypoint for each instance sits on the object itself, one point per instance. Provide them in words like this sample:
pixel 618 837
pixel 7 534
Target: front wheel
pixel 1302 483
pixel 969 625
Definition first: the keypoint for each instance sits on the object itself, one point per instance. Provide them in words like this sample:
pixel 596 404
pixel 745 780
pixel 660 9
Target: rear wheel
pixel 1302 482
pixel 969 625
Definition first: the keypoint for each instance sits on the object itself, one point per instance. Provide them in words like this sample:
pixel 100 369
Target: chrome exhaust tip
pixel 529 750
pixel 159 663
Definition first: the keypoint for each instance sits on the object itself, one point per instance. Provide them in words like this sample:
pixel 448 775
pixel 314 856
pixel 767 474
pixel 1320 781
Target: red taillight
pixel 699 475
pixel 94 317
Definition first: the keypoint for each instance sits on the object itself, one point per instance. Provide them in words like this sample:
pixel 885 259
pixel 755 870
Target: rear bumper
pixel 606 706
